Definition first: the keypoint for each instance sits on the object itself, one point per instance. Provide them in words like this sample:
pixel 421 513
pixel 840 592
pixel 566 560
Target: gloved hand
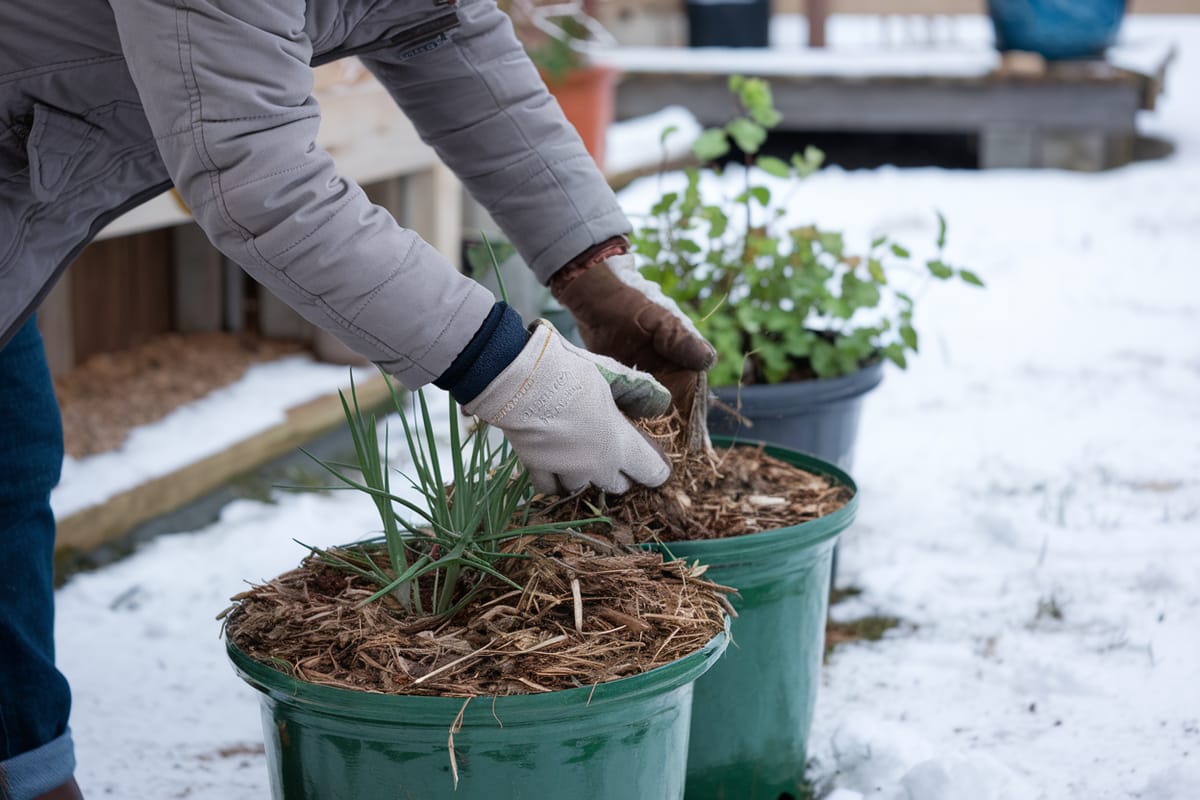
pixel 623 315
pixel 561 408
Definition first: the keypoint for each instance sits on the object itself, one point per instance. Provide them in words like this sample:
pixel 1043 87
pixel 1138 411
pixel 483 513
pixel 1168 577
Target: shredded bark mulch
pixel 593 607
pixel 712 494
pixel 110 394
pixel 588 613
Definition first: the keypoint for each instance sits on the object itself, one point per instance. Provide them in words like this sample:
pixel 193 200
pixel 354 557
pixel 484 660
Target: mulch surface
pixel 712 494
pixel 583 617
pixel 591 609
pixel 110 394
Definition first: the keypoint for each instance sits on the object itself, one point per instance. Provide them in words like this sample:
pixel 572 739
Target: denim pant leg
pixel 35 745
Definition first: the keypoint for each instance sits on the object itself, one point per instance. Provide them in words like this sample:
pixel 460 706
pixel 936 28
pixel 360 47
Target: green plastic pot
pixel 621 740
pixel 752 712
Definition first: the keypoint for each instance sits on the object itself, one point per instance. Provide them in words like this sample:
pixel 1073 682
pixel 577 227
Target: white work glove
pixel 561 408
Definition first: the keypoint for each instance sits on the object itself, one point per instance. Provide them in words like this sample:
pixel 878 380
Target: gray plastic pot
pixel 818 417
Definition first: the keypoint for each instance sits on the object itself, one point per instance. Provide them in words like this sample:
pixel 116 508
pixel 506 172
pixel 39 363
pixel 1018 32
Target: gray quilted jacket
pixel 106 103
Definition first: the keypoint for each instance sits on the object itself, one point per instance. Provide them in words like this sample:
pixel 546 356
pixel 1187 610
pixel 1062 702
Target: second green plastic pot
pixel 614 741
pixel 752 712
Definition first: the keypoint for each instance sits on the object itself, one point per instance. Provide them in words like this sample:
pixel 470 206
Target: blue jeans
pixel 35 746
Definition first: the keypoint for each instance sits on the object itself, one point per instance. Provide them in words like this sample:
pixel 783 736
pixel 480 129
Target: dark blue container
pixel 1057 29
pixel 729 23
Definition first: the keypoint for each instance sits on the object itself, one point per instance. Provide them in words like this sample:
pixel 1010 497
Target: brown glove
pixel 622 315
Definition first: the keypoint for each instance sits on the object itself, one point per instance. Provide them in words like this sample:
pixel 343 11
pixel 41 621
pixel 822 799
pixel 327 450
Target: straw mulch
pixel 588 613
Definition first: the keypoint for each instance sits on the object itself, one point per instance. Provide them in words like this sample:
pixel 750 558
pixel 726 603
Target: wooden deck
pixel 1026 113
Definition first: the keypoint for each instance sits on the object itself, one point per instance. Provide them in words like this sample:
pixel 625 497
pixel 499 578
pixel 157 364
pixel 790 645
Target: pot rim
pixel 788 539
pixel 490 710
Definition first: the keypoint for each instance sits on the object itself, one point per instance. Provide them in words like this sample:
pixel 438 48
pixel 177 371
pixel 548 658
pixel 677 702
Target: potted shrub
pixel 802 324
pixel 479 652
pixel 557 39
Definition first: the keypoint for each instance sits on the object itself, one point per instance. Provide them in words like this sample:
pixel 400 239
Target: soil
pixel 588 613
pixel 110 394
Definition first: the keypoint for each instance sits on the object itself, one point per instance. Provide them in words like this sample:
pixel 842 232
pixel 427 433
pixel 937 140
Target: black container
pixel 818 417
pixel 729 23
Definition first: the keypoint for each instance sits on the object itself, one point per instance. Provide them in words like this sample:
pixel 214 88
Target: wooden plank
pixel 109 521
pixel 277 320
pixel 57 328
pixel 434 207
pixel 887 105
pixel 120 293
pixel 197 281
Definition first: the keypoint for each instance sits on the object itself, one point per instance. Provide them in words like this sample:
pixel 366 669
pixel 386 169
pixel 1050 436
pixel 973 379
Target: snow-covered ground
pixel 1030 508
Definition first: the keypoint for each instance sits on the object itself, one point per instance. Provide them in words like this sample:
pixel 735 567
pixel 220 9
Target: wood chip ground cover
pixel 583 617
pixel 591 609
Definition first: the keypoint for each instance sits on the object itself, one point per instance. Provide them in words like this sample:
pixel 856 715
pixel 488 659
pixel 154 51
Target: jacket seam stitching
pixel 479 76
pixel 581 224
pixel 251 182
pixel 374 292
pixel 315 229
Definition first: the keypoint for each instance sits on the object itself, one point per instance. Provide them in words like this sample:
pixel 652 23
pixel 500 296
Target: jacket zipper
pixel 409 38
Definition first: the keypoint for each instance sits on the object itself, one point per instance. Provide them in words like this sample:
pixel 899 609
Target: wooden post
pixel 57 327
pixel 433 201
pixel 818 15
pixel 198 281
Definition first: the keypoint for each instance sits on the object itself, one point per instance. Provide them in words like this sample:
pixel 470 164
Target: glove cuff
pixel 597 254
pixel 494 346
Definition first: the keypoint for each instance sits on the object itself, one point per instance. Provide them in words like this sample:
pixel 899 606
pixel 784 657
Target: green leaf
pixel 894 352
pixel 760 193
pixel 755 96
pixel 970 277
pixel 747 134
pixel 773 166
pixel 878 241
pixel 900 252
pixel 808 162
pixel 824 359
pixel 939 269
pixel 711 144
pixel 941 237
pixel 664 203
pixel 718 221
pixel 875 267
pixel 858 293
pixel 909 336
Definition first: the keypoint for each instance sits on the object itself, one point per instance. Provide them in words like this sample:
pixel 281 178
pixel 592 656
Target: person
pixel 106 103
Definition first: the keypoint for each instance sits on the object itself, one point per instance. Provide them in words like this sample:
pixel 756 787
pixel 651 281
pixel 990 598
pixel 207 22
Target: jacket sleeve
pixel 483 107
pixel 226 85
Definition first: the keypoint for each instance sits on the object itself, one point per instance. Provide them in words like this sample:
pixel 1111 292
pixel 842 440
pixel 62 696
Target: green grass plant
pixel 440 549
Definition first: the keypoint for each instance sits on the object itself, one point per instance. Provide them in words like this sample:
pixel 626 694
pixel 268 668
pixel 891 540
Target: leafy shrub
pixel 778 303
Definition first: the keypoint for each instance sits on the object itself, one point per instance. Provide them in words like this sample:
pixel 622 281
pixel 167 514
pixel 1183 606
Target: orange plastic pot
pixel 588 99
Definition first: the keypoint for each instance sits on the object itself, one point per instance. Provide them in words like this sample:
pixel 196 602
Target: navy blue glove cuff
pixel 493 347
